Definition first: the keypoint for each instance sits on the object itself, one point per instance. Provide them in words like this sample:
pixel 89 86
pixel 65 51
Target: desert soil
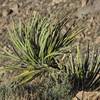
pixel 88 11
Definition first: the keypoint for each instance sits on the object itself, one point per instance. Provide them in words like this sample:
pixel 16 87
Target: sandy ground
pixel 84 10
pixel 88 11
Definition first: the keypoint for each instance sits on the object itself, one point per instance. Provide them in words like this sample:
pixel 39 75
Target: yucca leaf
pixel 87 72
pixel 37 42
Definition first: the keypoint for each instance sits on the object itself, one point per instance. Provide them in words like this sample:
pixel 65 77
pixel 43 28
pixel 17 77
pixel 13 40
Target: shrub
pixel 34 45
pixel 50 88
pixel 84 70
pixel 34 49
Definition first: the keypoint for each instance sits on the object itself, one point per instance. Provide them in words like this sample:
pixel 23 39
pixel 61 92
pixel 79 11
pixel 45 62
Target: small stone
pixel 57 1
pixel 4 12
pixel 97 41
pixel 84 2
pixel 14 8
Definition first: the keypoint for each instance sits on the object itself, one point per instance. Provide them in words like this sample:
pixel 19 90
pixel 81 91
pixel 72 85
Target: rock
pixel 83 2
pixel 14 7
pixel 6 12
pixel 57 1
pixel 97 41
pixel 82 95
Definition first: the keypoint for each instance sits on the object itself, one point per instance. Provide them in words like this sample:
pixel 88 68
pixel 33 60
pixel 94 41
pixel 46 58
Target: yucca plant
pixel 34 46
pixel 84 70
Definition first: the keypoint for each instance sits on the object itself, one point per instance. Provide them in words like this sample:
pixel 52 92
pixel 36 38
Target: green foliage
pixel 84 70
pixel 56 87
pixel 34 45
pixel 7 93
